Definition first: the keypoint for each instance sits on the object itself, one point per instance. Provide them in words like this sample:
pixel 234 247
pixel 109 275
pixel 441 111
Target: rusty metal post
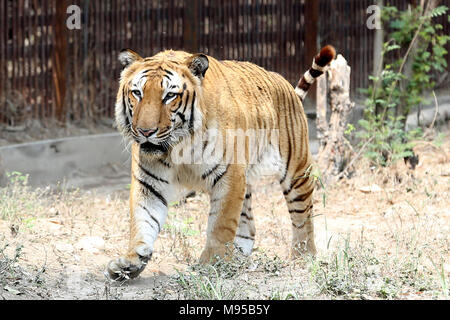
pixel 191 23
pixel 59 58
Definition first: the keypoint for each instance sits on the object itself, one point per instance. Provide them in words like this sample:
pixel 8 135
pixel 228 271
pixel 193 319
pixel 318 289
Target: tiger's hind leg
pixel 298 193
pixel 245 236
pixel 227 194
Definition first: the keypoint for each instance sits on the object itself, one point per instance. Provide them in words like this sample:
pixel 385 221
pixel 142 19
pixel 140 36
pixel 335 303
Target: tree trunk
pixel 59 59
pixel 334 154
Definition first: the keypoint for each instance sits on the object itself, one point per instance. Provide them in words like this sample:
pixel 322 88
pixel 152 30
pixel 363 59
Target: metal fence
pixel 50 71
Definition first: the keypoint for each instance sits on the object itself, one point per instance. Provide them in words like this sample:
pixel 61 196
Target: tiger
pixel 165 101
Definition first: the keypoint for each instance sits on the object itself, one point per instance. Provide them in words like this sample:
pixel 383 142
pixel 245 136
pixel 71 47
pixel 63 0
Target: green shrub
pixel 412 58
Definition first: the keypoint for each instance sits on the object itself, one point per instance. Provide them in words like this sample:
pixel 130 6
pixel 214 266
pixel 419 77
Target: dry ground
pixel 388 242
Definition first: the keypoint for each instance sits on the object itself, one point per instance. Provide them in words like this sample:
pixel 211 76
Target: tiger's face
pixel 157 99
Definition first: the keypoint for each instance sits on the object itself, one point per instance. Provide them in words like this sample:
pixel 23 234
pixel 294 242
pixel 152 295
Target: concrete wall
pixel 77 161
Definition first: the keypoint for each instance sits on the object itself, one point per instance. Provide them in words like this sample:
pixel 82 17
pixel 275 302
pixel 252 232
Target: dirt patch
pixel 381 235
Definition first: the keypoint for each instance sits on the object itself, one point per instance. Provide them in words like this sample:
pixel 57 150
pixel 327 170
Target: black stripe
pixel 302 197
pixel 300 211
pixel 151 174
pixel 186 103
pixel 315 73
pixel 294 186
pixel 288 156
pixel 245 237
pixel 191 194
pixel 167 71
pixel 284 176
pixel 127 121
pixel 300 226
pixel 218 177
pixel 181 114
pixel 181 102
pixel 152 190
pixel 182 117
pixel 288 162
pixel 191 119
pixel 287 191
pixel 164 163
pixel 153 218
pixel 243 214
pixel 304 85
pixel 166 98
pixel 207 173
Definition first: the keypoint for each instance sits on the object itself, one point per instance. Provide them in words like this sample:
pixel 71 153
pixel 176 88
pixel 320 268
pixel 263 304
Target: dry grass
pixel 386 244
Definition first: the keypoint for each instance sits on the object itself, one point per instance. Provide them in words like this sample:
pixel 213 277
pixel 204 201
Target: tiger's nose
pixel 147 132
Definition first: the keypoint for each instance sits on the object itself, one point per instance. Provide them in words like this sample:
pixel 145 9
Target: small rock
pixel 53 211
pixel 370 189
pixel 91 244
pixel 14 229
pixel 55 221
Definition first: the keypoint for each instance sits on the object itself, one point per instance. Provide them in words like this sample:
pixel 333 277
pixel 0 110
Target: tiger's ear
pixel 198 64
pixel 128 56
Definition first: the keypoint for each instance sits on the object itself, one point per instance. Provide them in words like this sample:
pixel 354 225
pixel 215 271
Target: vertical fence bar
pixel 311 25
pixel 190 26
pixel 14 55
pixel 49 102
pixel 59 59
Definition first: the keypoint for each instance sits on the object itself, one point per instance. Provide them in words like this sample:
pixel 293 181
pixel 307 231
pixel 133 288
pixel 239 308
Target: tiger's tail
pixel 320 62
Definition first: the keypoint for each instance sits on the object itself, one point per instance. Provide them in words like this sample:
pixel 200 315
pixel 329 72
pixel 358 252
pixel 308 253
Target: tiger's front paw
pixel 213 253
pixel 128 267
pixel 303 248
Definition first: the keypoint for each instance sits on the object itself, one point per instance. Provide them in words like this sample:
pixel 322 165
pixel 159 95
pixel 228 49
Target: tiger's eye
pixel 137 93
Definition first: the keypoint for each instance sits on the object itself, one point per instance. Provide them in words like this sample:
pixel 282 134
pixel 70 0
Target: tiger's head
pixel 157 101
